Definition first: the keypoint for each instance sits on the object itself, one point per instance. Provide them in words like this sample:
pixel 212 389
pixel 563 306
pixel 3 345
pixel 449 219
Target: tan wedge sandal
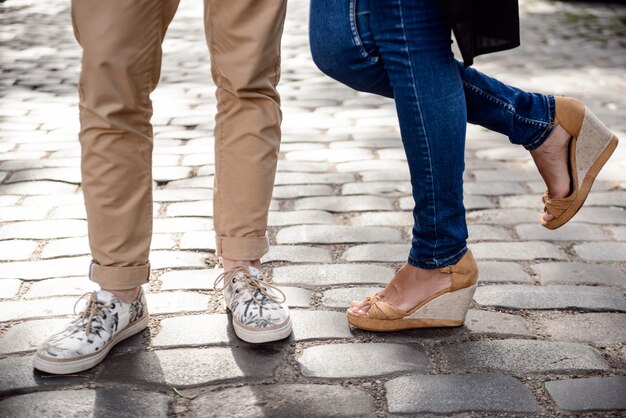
pixel 591 146
pixel 444 309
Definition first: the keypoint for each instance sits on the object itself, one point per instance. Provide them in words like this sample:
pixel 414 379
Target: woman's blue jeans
pixel 402 49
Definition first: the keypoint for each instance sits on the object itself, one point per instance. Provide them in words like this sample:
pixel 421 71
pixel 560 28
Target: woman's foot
pixel 409 287
pixel 551 159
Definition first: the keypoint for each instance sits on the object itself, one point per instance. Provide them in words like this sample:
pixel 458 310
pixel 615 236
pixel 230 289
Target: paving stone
pixel 176 225
pixel 489 176
pixel 9 288
pixel 341 298
pixel 198 241
pixel 399 174
pixel 330 155
pixel 488 233
pixel 319 325
pixel 383 218
pixel 602 251
pixel 332 274
pixel 194 330
pixel 474 202
pixel 579 273
pixel 503 216
pixel 61 287
pixel 300 166
pixel 493 188
pixel 174 302
pixel 378 252
pixel 300 217
pixel 309 400
pixel 512 296
pixel 23 213
pixel 198 182
pixel 293 192
pixel 67 175
pixel 529 250
pixel 379 188
pixel 598 328
pixel 336 234
pixel 189 279
pixel 44 229
pixel 69 212
pixel 28 336
pixel 362 360
pixel 284 178
pixel 451 394
pixel 61 199
pixel 570 232
pixel 66 247
pixel 181 195
pixel 175 259
pixel 532 201
pixel 370 165
pixel 37 187
pixel 45 269
pixel 86 402
pixel 197 208
pixel 297 254
pixel 18 374
pixel 619 232
pixel 186 367
pixel 343 203
pixel 9 200
pixel 589 394
pixel 496 323
pixel 162 242
pixel 606 199
pixel 502 272
pixel 603 216
pixel 41 308
pixel 524 356
pixel 17 249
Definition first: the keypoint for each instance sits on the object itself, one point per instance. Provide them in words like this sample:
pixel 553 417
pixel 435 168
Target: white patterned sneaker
pixel 105 321
pixel 259 311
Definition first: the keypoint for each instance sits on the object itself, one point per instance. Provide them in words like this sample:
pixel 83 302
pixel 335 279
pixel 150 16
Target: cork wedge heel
pixel 591 146
pixel 444 309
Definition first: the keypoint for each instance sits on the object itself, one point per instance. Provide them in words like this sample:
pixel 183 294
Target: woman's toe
pixel 547 217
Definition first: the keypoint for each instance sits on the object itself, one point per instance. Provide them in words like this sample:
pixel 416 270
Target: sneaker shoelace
pixel 93 310
pixel 250 282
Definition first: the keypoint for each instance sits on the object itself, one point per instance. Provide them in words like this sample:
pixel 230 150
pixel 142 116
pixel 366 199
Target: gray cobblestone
pixel 530 250
pixel 177 225
pixel 362 360
pixel 27 336
pixel 602 216
pixel 45 269
pixel 293 192
pixel 300 217
pixel 336 234
pixel 44 229
pixel 198 208
pixel 175 302
pixel 488 233
pixel 524 356
pixel 383 219
pixel 378 252
pixel 494 188
pixel 380 188
pixel 572 232
pixel 17 374
pixel 341 298
pixel 589 394
pixel 579 273
pixel 344 203
pixel 17 249
pixel 602 251
pixel 318 325
pixel 9 288
pixel 193 330
pixel 502 272
pixel 283 400
pixel 550 297
pixel 66 247
pixel 189 279
pixel 198 241
pixel 503 216
pixel 450 394
pixel 599 328
pixel 619 232
pixel 496 323
pixel 332 274
pixel 37 187
pixel 23 213
pixel 297 254
pixel 284 178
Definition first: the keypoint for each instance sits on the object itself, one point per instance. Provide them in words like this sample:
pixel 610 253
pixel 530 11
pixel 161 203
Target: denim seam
pixel 510 108
pixel 546 132
pixel 430 167
pixel 356 37
pixel 441 263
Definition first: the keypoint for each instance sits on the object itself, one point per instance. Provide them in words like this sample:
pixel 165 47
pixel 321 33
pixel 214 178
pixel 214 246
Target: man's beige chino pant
pixel 121 41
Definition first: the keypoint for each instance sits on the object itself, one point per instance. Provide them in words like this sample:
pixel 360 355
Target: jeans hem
pixel 546 132
pixel 437 263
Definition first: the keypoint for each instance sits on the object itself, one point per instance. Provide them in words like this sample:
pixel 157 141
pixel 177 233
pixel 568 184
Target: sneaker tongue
pixel 254 271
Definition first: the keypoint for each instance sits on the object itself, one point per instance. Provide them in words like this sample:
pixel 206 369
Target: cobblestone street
pixel 546 332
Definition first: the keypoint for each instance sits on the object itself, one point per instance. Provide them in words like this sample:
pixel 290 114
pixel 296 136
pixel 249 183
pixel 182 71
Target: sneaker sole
pixel 259 337
pixel 63 366
pixel 265 336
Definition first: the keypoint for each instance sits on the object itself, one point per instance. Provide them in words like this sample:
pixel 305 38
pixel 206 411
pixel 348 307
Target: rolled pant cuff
pixel 242 248
pixel 119 278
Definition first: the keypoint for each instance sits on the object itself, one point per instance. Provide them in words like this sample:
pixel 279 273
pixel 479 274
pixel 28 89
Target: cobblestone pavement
pixel 546 333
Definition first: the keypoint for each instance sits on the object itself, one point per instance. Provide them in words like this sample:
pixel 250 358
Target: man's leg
pixel 121 44
pixel 244 42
